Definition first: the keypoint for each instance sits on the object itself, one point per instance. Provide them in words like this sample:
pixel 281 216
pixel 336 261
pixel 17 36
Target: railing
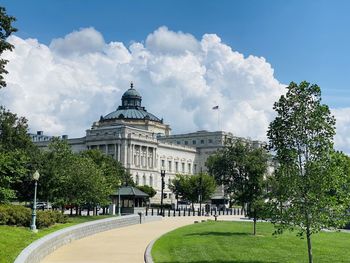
pixel 194 212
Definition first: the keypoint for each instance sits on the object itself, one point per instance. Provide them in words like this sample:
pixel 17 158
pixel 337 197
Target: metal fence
pixel 194 212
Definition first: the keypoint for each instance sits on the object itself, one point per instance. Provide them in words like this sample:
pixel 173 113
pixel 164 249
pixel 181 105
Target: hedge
pixel 21 216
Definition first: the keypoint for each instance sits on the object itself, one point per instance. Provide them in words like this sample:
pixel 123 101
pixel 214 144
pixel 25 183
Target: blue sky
pixel 75 58
pixel 303 40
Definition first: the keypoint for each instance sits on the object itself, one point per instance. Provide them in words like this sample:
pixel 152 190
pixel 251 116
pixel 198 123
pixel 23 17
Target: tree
pixel 17 157
pixel 112 170
pixel 148 190
pixel 178 186
pixel 302 137
pixel 56 169
pixel 6 29
pixel 241 168
pixel 199 187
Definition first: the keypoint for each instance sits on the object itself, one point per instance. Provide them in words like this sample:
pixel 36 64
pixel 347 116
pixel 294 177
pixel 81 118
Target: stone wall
pixel 42 247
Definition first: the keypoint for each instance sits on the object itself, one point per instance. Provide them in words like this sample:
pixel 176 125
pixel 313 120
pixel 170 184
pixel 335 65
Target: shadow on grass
pixel 222 261
pixel 223 234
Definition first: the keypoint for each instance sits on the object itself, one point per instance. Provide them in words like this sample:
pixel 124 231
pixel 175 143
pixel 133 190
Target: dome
pixel 136 114
pixel 131 108
pixel 131 93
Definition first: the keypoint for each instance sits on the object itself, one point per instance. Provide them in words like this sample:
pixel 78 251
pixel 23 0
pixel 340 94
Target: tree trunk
pixel 309 247
pixel 254 231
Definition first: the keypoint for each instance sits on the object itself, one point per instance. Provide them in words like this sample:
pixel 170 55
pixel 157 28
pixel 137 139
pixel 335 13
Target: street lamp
pixel 119 213
pixel 36 176
pixel 162 174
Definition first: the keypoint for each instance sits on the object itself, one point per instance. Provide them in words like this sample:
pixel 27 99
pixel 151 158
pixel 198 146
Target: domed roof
pixel 131 92
pixel 138 114
pixel 131 108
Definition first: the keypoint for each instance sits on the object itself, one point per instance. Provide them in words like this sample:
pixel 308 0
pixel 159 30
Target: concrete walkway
pixel 125 245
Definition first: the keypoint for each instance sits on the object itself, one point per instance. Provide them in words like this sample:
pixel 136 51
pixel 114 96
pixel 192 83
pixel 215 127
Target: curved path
pixel 125 245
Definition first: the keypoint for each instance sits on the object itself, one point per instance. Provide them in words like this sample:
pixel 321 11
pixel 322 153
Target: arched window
pixel 137 180
pixel 144 179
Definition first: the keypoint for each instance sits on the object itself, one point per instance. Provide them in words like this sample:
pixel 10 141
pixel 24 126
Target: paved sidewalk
pixel 125 245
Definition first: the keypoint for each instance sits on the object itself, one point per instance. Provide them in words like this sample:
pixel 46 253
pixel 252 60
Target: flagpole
pixel 219 118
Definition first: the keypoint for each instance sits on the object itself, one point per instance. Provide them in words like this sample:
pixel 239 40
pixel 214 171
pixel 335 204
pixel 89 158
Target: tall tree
pixel 17 158
pixel 302 137
pixel 199 186
pixel 6 29
pixel 241 168
pixel 178 186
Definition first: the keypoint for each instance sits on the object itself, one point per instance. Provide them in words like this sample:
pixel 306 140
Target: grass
pixel 228 242
pixel 14 239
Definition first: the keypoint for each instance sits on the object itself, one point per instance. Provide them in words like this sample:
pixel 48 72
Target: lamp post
pixel 162 174
pixel 200 193
pixel 119 210
pixel 36 176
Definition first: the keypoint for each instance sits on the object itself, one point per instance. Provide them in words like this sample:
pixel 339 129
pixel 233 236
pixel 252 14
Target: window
pixel 178 142
pixel 186 142
pixel 195 168
pixel 176 167
pixel 189 168
pixel 210 141
pixel 183 167
pixel 163 164
pixel 137 180
pixel 144 180
pixel 202 141
pixel 169 166
pixel 194 142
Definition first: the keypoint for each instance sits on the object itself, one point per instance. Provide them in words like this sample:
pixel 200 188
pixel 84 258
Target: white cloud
pixel 86 40
pixel 62 88
pixel 342 139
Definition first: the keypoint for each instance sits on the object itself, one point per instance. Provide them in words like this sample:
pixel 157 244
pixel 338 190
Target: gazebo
pixel 132 200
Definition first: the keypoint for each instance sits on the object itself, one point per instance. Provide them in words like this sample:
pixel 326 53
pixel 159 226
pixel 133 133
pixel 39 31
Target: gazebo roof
pixel 130 191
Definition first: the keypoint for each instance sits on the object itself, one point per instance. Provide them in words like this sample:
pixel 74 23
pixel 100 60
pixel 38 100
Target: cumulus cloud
pixel 62 88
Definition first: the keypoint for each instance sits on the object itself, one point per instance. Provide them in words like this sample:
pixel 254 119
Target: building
pixel 144 145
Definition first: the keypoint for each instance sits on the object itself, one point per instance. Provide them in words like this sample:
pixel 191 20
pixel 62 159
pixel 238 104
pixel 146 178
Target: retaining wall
pixel 44 246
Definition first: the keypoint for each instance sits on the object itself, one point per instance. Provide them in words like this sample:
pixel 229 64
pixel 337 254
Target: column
pixel 115 152
pixel 106 149
pixel 146 157
pixel 119 145
pixel 140 160
pixel 155 157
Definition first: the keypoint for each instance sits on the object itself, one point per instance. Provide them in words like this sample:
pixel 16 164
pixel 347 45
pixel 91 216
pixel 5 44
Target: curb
pixel 148 256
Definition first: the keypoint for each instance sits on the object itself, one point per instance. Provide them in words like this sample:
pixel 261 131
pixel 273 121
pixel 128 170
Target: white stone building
pixel 144 145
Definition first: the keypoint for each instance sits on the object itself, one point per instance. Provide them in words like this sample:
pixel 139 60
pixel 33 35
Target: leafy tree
pixel 17 158
pixel 56 169
pixel 241 168
pixel 198 185
pixel 148 190
pixel 12 167
pixel 86 184
pixel 6 29
pixel 178 186
pixel 112 170
pixel 302 137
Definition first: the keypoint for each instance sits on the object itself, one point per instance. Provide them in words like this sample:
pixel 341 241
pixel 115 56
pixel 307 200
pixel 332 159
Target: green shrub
pixel 15 215
pixel 21 216
pixel 49 218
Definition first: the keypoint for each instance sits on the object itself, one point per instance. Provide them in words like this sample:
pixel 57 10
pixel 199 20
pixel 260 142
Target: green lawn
pixel 14 239
pixel 224 242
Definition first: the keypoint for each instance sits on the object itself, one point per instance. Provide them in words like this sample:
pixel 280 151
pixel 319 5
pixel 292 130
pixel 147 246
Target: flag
pixel 216 107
